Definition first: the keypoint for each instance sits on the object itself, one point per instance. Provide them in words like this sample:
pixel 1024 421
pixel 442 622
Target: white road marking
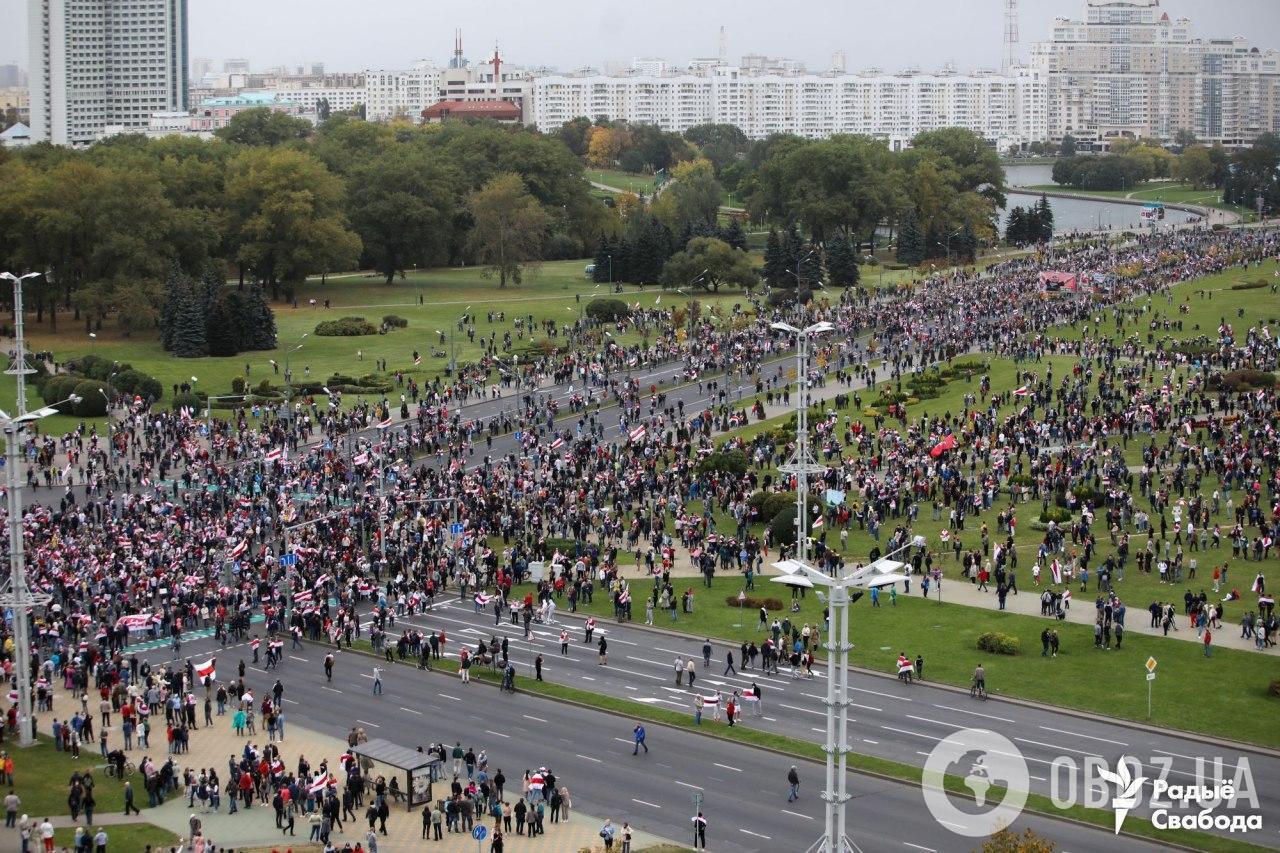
pixel 292 701
pixel 644 803
pixel 1086 737
pixel 330 689
pixel 367 723
pixel 535 719
pixel 918 847
pixel 497 734
pixel 588 758
pixel 587 678
pixel 295 657
pixel 932 720
pixel 869 740
pixel 974 713
pixel 1055 746
pixel 906 732
pixel 727 767
pixel 803 710
pixel 756 834
pixel 410 710
pixel 687 785
pixel 796 814
pixel 447 696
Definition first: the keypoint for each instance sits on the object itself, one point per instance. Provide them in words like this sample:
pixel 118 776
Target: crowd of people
pixel 324 522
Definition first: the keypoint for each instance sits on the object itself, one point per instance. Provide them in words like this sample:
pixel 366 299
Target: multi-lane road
pixel 744 787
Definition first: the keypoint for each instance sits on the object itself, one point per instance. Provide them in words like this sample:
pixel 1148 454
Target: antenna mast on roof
pixel 724 47
pixel 1010 59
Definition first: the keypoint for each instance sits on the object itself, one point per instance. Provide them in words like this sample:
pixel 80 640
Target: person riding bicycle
pixel 116 759
pixel 980 679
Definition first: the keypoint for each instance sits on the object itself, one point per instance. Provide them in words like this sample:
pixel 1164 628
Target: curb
pixel 1137 725
pixel 870 774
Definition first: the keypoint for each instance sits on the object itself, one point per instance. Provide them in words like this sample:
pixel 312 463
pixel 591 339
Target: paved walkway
pixel 255 827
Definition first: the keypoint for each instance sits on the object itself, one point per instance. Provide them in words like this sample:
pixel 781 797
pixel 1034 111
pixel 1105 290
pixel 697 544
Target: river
pixel 1071 214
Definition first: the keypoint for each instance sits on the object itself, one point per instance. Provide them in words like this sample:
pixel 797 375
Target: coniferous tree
pixel 259 320
pixel 964 246
pixel 775 261
pixel 604 261
pixel 1015 231
pixel 190 333
pixel 734 235
pixel 808 266
pixel 1044 219
pixel 842 262
pixel 911 248
pixel 221 328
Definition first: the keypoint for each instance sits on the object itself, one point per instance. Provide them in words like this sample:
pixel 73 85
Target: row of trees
pixel 271 202
pixel 203 317
pixel 1246 172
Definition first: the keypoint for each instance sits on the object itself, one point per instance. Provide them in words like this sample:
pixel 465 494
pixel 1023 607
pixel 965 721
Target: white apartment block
pixel 1005 109
pixel 308 97
pixel 389 94
pixel 1128 70
pixel 100 63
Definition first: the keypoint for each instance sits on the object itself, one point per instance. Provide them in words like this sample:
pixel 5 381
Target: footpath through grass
pixel 43 774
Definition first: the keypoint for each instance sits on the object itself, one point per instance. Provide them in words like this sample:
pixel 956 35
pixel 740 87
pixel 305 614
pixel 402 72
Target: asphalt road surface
pixel 744 788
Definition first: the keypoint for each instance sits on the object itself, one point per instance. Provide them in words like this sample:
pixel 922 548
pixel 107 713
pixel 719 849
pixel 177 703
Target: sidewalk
pixel 255 828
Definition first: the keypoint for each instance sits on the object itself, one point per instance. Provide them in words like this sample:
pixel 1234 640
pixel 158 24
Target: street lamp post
pixel 288 378
pixel 882 572
pixel 16 597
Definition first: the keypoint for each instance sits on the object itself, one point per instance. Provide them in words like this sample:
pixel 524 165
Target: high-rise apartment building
pixel 1128 70
pixel 1007 109
pixel 96 63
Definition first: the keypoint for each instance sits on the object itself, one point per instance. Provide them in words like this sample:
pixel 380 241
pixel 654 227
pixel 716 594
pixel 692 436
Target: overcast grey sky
pixel 892 34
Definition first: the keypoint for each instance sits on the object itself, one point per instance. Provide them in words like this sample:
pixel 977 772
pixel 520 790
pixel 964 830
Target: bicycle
pixel 977 691
pixel 129 769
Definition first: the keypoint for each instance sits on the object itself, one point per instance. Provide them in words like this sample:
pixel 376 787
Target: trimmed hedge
pixel 998 644
pixel 1251 285
pixel 394 322
pixel 724 462
pixel 345 327
pixel 191 401
pixel 91 404
pixel 769 504
pixel 755 603
pixel 1055 513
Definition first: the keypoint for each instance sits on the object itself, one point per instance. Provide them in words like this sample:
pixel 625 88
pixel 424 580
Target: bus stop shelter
pixel 420 769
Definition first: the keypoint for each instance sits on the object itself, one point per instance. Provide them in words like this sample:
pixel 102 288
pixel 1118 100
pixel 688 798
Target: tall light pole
pixel 288 378
pixel 797 572
pixel 802 464
pixel 15 596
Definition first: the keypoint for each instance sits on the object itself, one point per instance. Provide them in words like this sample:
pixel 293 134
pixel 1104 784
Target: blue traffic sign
pixel 289 559
pixel 480 832
pixel 455 529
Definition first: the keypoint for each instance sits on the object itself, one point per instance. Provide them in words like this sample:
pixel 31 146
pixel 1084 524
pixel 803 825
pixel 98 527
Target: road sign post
pixel 1151 676
pixel 697 808
pixel 479 834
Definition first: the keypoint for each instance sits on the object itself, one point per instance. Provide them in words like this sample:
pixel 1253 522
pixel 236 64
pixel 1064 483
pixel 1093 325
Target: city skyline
pixel 565 36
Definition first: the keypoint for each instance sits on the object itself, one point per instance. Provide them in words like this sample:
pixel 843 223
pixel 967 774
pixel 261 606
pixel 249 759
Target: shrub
pixel 1021 480
pixel 345 327
pixel 91 404
pixel 394 322
pixel 782 527
pixel 191 401
pixel 998 644
pixel 753 603
pixel 1274 687
pixel 770 504
pixel 60 388
pixel 724 462
pixel 1242 381
pixel 787 296
pixel 1251 285
pixel 139 384
pixel 1055 513
pixel 608 310
pixel 238 385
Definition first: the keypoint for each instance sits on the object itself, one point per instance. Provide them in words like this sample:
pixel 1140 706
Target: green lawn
pixel 431 300
pixel 134 837
pixel 625 181
pixel 44 773
pixel 1081 677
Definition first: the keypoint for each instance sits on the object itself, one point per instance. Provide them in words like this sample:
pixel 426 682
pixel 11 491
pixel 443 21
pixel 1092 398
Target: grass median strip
pixel 811 751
